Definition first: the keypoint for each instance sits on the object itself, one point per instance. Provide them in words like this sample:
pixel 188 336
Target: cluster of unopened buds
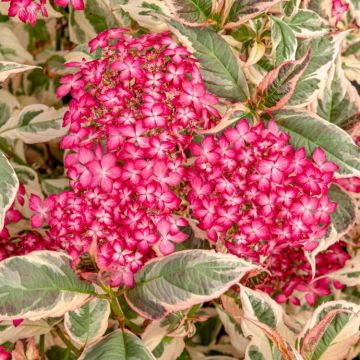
pixel 28 10
pixel 253 193
pixel 132 116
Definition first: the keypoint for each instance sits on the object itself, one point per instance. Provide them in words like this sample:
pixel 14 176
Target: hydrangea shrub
pixel 179 179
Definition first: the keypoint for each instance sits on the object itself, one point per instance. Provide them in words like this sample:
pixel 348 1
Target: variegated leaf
pixel 277 87
pixel 11 49
pixel 97 16
pixel 9 185
pixel 310 131
pixel 330 332
pixel 9 68
pixel 349 275
pixel 355 10
pixel 117 345
pixel 143 13
pixel 218 64
pixel 351 66
pixel 338 102
pixel 307 23
pixel 243 10
pixel 38 285
pixel 290 7
pixel 9 332
pixel 233 329
pixel 284 41
pixel 89 322
pixel 35 124
pixel 185 278
pixel 324 50
pixel 190 12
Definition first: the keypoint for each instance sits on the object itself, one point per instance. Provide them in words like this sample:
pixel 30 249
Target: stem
pixel 116 308
pixel 42 347
pixel 66 341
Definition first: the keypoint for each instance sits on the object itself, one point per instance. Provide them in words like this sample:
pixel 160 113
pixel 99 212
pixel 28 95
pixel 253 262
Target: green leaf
pixel 344 216
pixel 219 66
pixel 278 85
pixel 88 323
pixel 9 185
pixel 331 331
pixel 310 131
pixel 324 50
pixel 117 345
pixel 34 124
pixel 338 102
pixel 244 10
pixel 307 23
pixel 57 353
pixel 284 41
pixel 190 12
pixel 185 278
pixel 38 285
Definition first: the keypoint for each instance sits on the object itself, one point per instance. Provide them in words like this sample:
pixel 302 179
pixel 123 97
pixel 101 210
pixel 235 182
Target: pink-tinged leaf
pixel 190 12
pixel 330 332
pixel 245 10
pixel 276 89
pixel 185 278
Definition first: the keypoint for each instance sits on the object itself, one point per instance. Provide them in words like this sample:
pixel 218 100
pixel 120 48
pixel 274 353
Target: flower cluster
pixel 132 116
pixel 255 193
pixel 338 9
pixel 291 272
pixel 19 244
pixel 28 10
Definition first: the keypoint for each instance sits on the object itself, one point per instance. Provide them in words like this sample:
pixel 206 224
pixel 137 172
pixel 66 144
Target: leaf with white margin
pixel 153 334
pixel 39 285
pixel 233 329
pixel 351 66
pixel 260 307
pixel 355 10
pixel 34 124
pixel 324 50
pixel 8 103
pixel 330 332
pixel 182 279
pixel 9 332
pixel 218 65
pixel 117 345
pixel 242 11
pixel 190 12
pixel 8 68
pixel 9 185
pixel 283 39
pixel 97 16
pixel 54 186
pixel 143 13
pixel 338 102
pixel 344 216
pixel 277 87
pixel 290 7
pixel 170 348
pixel 307 23
pixel 349 275
pixel 308 130
pixel 11 48
pixel 88 323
